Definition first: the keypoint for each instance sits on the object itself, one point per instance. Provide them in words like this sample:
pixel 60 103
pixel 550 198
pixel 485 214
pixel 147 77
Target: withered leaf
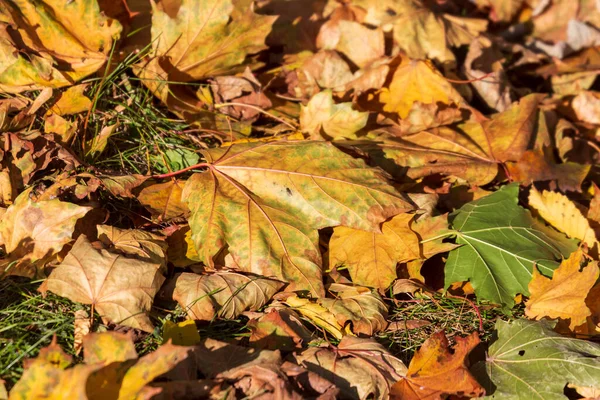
pixel 222 294
pixel 121 289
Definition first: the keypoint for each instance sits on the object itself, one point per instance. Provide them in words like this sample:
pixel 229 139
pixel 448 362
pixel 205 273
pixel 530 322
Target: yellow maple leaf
pixel 564 295
pixel 561 213
pixel 416 81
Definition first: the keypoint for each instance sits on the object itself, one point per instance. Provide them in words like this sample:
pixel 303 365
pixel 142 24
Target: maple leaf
pixel 222 294
pixel 111 368
pixel 137 243
pixel 121 289
pixel 59 43
pixel 417 81
pixel 279 329
pixel 563 214
pixel 362 307
pixel 371 257
pixel 336 120
pixel 564 295
pixel 419 31
pixel 163 200
pixel 195 39
pixel 32 232
pixel 498 253
pixel 361 368
pixel 435 370
pixel 71 101
pixel 530 360
pixel 267 211
pixel 539 165
pixel 471 150
pixel 359 43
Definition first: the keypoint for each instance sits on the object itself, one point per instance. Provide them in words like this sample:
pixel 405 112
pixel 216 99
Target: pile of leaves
pixel 309 169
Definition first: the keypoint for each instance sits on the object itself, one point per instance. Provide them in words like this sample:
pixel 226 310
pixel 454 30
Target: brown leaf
pixel 82 325
pixel 539 165
pixel 240 90
pixel 435 371
pixel 137 243
pixel 121 289
pixel 279 329
pixel 360 306
pixel 222 294
pixel 361 368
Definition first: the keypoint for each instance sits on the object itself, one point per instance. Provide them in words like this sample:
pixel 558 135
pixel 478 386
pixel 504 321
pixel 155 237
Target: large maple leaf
pixel 266 201
pixel 52 43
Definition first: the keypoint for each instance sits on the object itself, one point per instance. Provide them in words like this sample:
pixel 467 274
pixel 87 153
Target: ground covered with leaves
pixel 298 199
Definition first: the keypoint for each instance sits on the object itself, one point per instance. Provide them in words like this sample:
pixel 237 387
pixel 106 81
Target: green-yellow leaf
pixel 265 201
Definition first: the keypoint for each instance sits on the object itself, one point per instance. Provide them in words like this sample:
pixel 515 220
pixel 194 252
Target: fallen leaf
pixel 471 150
pixel 502 10
pixel 183 333
pixel 530 359
pixel 437 370
pixel 318 315
pixel 248 186
pixel 32 232
pixel 496 261
pixel 82 325
pixel 163 200
pixel 196 39
pixel 539 165
pixel 71 101
pixel 58 43
pixel 563 214
pixel 417 81
pixel 222 294
pixel 137 243
pixel 279 329
pixel 336 120
pixel 564 295
pixel 243 90
pixel 360 306
pixel 121 289
pixel 362 45
pixel 371 257
pixel 361 368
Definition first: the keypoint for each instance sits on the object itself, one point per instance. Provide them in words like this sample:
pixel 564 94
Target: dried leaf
pixel 417 81
pixel 564 295
pixel 361 368
pixel 82 325
pixel 140 244
pixel 58 43
pixel 35 231
pixel 371 257
pixel 435 370
pixel 222 294
pixel 163 200
pixel 121 289
pixel 72 101
pixel 279 330
pixel 563 214
pixel 336 120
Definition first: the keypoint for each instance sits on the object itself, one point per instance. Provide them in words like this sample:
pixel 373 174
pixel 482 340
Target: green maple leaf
pixel 531 361
pixel 501 243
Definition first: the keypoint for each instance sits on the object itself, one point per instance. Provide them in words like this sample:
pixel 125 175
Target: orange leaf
pixel 435 371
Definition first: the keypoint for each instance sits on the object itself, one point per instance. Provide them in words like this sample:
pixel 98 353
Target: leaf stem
pixel 442 236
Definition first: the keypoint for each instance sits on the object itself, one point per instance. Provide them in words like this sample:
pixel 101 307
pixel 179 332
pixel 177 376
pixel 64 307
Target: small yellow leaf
pixel 337 120
pixel 72 101
pixel 181 333
pixel 417 81
pixel 564 295
pixel 561 213
pixel 318 315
